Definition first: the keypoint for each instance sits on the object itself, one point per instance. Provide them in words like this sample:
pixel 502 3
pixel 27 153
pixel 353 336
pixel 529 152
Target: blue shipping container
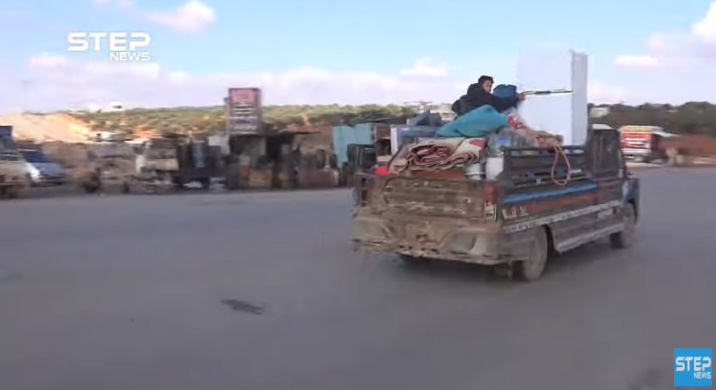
pixel 361 134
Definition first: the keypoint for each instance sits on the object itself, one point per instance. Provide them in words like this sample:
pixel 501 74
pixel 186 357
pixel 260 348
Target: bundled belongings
pixel 506 91
pixel 486 121
pixel 480 122
pixel 483 112
pixel 438 155
pixel 535 138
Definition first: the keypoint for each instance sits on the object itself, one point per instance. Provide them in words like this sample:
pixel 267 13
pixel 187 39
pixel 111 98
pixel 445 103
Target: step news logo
pixel 120 46
pixel 692 367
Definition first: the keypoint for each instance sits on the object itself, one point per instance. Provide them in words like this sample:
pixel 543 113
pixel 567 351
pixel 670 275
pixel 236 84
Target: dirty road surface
pixel 262 291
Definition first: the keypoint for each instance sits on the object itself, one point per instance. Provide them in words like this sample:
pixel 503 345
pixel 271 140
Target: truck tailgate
pixel 424 217
pixel 426 196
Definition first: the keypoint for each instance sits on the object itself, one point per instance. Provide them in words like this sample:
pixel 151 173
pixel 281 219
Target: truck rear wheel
pixel 625 238
pixel 532 268
pixel 205 183
pixel 20 191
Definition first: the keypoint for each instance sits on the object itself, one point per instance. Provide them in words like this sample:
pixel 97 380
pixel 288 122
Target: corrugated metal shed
pixel 361 134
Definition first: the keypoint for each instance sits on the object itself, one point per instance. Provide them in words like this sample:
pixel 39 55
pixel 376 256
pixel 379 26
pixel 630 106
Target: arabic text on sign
pixel 244 117
pixel 244 126
pixel 245 96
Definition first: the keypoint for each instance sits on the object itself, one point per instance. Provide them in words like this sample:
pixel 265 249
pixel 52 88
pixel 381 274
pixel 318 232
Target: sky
pixel 347 52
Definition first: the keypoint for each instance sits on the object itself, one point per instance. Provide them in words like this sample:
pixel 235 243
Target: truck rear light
pixel 490 192
pixel 361 191
pixel 489 208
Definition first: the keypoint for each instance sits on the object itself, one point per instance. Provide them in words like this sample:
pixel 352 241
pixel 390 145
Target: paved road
pixel 126 293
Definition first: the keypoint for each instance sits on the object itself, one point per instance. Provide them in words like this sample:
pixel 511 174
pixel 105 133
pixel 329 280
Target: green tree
pixel 689 118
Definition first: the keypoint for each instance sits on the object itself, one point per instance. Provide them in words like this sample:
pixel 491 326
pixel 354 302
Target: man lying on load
pixel 480 94
pixel 483 113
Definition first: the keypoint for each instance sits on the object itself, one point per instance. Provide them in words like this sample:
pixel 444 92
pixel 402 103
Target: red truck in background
pixel 643 143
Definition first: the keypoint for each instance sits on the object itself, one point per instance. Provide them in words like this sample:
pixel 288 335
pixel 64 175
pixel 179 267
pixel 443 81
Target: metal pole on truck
pixel 560 91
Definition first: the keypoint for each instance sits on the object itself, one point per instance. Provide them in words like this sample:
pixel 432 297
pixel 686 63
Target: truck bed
pixel 424 217
pixel 428 196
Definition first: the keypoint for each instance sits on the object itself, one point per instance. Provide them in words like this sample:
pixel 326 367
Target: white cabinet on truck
pixel 565 114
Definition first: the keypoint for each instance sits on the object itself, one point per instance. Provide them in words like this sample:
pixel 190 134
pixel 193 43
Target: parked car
pixel 41 169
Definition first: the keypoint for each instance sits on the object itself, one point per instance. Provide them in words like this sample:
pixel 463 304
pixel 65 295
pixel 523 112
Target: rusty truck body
pixel 516 221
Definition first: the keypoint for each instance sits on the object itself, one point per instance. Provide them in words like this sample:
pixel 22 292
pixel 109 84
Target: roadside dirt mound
pixel 47 128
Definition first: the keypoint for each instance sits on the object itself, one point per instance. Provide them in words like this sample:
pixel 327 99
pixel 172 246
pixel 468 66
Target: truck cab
pixel 545 201
pixel 643 143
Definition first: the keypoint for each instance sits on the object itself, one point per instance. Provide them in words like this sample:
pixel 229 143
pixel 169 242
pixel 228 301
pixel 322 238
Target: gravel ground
pixel 262 291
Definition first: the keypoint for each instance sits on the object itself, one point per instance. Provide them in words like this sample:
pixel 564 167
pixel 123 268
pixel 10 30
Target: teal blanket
pixel 478 123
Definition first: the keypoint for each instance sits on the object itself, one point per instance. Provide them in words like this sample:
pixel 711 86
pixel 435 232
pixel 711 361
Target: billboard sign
pixel 243 109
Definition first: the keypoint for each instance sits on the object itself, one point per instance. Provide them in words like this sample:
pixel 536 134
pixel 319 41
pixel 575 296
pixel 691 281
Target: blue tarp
pixel 505 91
pixel 477 123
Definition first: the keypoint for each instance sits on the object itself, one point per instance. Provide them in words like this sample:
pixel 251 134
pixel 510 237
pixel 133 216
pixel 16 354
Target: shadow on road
pixel 454 271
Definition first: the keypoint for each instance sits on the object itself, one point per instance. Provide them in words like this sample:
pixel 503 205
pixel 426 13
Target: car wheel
pixel 20 191
pixel 625 238
pixel 533 267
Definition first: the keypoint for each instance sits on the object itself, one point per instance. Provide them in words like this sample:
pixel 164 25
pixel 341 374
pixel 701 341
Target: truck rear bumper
pixel 470 244
pixel 11 181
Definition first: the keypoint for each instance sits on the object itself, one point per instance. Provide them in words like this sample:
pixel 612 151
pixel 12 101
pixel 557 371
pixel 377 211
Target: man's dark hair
pixel 484 78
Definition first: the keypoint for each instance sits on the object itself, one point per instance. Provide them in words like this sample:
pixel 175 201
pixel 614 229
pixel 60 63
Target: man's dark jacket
pixel 477 97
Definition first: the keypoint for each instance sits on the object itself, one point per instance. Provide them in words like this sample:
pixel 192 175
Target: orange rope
pixel 557 152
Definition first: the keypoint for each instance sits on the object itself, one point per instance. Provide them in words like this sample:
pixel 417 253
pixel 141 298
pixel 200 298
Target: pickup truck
pixel 539 205
pixel 14 180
